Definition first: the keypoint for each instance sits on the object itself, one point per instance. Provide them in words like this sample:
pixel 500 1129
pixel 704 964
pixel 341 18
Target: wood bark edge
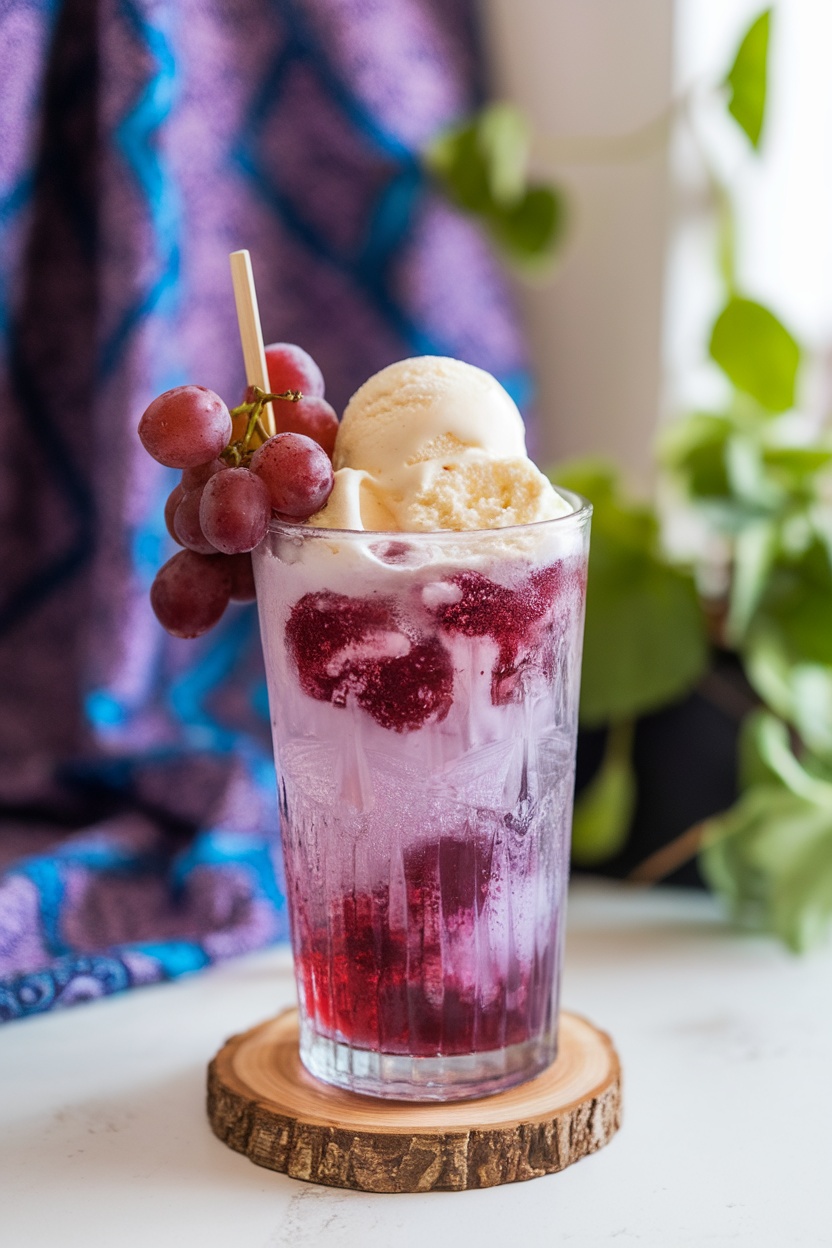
pixel 410 1161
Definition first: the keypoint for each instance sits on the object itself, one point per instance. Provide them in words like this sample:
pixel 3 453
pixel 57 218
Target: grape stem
pixel 239 453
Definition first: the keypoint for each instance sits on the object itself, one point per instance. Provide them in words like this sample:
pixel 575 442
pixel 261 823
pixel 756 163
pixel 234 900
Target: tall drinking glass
pixel 424 694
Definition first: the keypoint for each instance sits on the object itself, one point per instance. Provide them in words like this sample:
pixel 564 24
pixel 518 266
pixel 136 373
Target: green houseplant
pixel 758 484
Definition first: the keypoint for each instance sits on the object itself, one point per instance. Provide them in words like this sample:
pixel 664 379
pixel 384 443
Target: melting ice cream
pixel 434 444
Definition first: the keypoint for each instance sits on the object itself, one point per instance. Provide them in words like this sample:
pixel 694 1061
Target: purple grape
pixel 297 472
pixel 193 478
pixel 313 417
pixel 291 368
pixel 235 510
pixel 190 593
pixel 174 499
pixel 186 525
pixel 185 427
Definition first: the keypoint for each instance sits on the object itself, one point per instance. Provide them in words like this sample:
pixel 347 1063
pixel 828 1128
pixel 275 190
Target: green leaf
pixel 749 482
pixel 644 644
pixel 459 164
pixel 800 692
pixel 604 809
pixel 747 78
pixel 803 899
pixel 770 857
pixel 771 854
pixel 798 603
pixel 766 757
pixel 744 849
pixel 757 353
pixel 481 167
pixel 528 233
pixel 503 137
pixel 595 478
pixel 694 448
pixel 811 685
pixel 798 461
pixel 755 550
pixel 797 470
pixel 821 522
pixel 636 525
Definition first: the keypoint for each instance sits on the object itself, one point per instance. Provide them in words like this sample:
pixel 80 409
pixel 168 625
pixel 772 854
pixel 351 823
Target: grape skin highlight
pixel 235 510
pixel 291 368
pixel 297 472
pixel 174 499
pixel 185 427
pixel 313 417
pixel 187 527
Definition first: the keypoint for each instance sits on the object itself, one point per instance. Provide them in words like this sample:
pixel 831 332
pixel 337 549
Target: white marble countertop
pixel 725 1041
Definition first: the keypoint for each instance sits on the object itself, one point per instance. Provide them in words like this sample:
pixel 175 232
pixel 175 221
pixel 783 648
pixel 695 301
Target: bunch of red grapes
pixel 235 478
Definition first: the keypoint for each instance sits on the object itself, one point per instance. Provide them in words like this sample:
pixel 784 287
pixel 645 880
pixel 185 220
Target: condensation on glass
pixel 424 695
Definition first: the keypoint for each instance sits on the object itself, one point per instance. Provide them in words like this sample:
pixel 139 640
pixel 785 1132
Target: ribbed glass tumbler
pixel 424 695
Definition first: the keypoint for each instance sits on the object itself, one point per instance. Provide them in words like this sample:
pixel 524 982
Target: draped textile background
pixel 142 140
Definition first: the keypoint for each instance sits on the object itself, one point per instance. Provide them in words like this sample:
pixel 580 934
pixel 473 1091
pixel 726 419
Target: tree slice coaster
pixel 263 1102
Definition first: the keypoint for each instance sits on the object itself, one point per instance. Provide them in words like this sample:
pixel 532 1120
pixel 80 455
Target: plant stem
pixel 253 422
pixel 237 452
pixel 681 850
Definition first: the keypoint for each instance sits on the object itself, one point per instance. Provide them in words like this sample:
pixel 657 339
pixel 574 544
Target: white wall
pixel 596 67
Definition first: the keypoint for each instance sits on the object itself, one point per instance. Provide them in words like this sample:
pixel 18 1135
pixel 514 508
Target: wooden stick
pixel 251 334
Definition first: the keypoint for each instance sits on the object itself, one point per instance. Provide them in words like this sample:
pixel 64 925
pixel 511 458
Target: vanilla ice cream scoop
pixel 432 443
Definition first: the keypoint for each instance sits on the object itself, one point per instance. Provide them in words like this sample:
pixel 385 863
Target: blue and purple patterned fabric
pixel 142 140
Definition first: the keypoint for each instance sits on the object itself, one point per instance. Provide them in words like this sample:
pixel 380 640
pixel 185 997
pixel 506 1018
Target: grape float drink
pixel 422 635
pixel 424 690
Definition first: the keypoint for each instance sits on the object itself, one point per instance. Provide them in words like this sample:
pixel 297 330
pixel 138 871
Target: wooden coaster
pixel 263 1102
